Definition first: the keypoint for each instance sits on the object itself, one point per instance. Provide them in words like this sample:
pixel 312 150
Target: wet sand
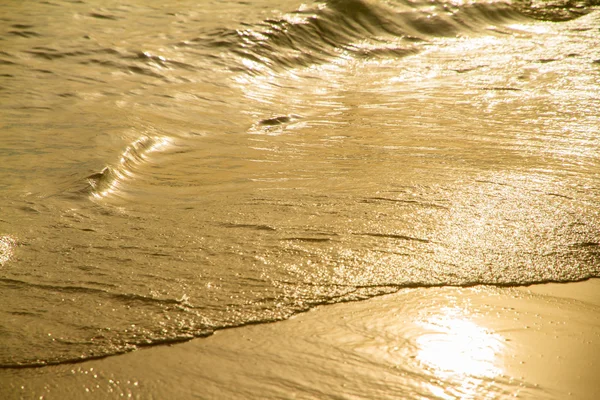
pixel 541 341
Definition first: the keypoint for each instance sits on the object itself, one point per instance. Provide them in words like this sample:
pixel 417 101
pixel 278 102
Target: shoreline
pixel 539 341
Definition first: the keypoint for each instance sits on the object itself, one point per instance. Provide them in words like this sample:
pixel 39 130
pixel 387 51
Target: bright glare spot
pixel 456 346
pixel 6 248
pixel 252 65
pixel 537 28
pixel 160 143
pixel 298 18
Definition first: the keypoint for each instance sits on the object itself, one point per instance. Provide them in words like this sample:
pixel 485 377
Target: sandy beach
pixel 540 342
pixel 222 199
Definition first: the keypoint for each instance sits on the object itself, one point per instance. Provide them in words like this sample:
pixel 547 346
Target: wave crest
pixel 356 28
pixel 106 182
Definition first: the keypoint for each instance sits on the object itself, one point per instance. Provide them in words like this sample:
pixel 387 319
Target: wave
pixel 556 11
pixel 369 29
pixel 354 28
pixel 110 343
pixel 92 340
pixel 101 184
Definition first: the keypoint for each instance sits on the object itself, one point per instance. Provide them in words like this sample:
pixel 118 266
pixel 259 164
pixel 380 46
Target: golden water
pixel 171 169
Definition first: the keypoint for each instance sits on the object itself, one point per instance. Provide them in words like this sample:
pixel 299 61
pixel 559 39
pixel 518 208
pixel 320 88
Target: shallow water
pixel 481 342
pixel 171 170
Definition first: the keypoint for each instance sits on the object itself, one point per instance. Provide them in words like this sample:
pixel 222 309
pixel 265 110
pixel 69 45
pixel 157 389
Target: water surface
pixel 172 169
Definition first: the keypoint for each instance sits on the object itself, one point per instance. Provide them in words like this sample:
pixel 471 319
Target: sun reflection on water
pixel 6 249
pixel 460 352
